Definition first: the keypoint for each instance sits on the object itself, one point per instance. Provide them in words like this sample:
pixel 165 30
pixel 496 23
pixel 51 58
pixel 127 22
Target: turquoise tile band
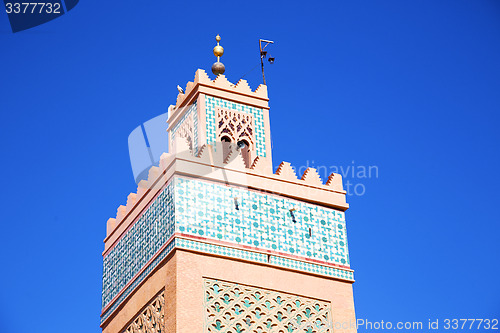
pixel 201 209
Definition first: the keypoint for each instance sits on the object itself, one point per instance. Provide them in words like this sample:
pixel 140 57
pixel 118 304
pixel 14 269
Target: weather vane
pixel 218 67
pixel 263 55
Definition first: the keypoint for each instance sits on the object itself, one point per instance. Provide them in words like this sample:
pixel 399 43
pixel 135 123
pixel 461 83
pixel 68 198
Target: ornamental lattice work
pixel 236 308
pixel 186 130
pixel 235 125
pixel 151 319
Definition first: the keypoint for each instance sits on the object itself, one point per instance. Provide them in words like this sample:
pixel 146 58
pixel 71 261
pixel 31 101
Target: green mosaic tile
pixel 262 221
pixel 203 209
pixel 139 244
pixel 220 250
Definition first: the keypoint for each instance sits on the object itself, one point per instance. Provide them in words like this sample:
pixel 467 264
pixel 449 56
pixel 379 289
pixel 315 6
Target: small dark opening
pixel 236 206
pixel 293 215
pixel 245 151
pixel 226 146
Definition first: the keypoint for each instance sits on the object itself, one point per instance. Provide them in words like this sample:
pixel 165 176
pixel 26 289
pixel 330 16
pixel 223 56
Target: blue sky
pixel 411 87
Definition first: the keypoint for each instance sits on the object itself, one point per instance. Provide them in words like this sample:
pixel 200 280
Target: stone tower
pixel 214 241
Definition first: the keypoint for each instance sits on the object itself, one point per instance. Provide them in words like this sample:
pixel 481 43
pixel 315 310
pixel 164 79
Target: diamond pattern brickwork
pixel 236 308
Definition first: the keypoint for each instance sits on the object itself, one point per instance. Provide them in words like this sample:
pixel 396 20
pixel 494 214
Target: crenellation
pixel 181 148
pixel 204 154
pixel 286 171
pixel 335 181
pixel 131 200
pixel 165 160
pixel 142 188
pixel 220 82
pixel 235 161
pixel 260 165
pixel 261 91
pixel 153 174
pixel 189 86
pixel 200 76
pixel 110 225
pixel 312 177
pixel 243 86
pixel 121 212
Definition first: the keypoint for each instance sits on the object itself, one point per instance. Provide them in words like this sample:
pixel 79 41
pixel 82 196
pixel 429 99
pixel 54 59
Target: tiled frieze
pixel 260 220
pixel 233 307
pixel 228 221
pixel 211 103
pixel 220 250
pixel 312 268
pixel 138 245
pixel 264 258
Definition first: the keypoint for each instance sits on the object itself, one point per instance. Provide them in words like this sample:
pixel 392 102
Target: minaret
pixel 215 241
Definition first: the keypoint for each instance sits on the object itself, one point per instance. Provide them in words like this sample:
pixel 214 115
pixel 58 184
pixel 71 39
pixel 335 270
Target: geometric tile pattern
pixel 137 281
pixel 312 268
pixel 263 258
pixel 151 319
pixel 190 116
pixel 138 245
pixel 263 221
pixel 211 103
pixel 248 222
pixel 236 308
pixel 220 250
pixel 228 252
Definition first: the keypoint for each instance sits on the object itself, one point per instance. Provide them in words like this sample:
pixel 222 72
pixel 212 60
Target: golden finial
pixel 218 67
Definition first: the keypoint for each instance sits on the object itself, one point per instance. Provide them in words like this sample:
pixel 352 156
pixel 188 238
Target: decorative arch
pixel 237 127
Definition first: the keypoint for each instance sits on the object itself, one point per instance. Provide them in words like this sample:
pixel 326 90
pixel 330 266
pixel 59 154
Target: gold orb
pixel 217 38
pixel 218 51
